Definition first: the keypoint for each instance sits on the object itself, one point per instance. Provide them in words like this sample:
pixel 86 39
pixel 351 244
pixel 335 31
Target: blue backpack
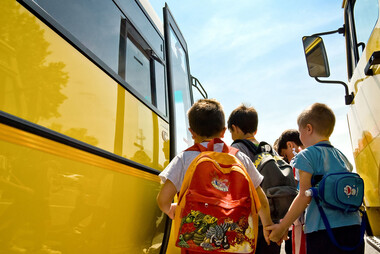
pixel 343 191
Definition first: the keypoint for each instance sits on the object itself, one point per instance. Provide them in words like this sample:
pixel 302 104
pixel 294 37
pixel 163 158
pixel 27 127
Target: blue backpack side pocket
pixel 343 191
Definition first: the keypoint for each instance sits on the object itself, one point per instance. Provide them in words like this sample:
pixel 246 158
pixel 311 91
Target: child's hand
pixel 171 212
pixel 277 234
pixel 266 234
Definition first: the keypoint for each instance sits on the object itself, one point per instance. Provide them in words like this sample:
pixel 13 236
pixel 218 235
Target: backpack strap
pixel 210 147
pixel 328 227
pixel 250 146
pixel 262 147
pixel 197 147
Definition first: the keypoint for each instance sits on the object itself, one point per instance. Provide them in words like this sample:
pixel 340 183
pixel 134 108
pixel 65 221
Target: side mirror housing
pixel 316 57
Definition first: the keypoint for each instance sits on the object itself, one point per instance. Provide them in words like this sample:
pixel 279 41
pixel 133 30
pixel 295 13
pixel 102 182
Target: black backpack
pixel 279 184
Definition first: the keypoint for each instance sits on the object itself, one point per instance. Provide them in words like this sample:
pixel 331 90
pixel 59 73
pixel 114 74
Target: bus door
pixel 180 99
pixel 179 84
pixel 362 32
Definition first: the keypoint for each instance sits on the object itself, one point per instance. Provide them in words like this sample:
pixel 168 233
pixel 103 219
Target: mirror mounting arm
pixel 348 97
pixel 339 30
pixel 195 83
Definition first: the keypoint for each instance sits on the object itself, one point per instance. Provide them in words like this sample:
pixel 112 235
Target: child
pixel 289 144
pixel 242 124
pixel 206 119
pixel 316 124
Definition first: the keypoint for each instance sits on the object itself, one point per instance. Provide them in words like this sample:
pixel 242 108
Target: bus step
pixel 374 241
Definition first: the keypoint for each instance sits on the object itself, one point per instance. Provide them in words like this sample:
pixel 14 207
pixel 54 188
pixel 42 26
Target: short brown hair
pixel 288 135
pixel 320 116
pixel 245 118
pixel 206 117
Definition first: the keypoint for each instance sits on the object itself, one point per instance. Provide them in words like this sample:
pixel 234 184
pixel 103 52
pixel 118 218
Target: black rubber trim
pixel 41 131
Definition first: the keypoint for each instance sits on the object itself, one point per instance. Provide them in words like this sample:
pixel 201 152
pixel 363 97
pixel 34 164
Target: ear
pixel 236 129
pixel 223 131
pixel 289 144
pixel 309 128
pixel 193 134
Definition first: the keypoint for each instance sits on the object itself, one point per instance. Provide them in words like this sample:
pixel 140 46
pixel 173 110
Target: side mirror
pixel 316 57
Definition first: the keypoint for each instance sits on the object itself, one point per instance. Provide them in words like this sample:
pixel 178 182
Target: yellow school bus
pixel 362 35
pixel 93 101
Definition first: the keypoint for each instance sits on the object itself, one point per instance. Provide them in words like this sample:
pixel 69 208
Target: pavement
pixel 368 248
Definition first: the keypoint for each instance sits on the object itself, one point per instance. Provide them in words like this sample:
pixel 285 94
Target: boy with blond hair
pixel 206 120
pixel 316 124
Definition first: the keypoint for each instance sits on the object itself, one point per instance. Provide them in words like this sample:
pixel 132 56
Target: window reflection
pixel 138 71
pixel 180 79
pixel 94 23
pixel 160 87
pixel 366 13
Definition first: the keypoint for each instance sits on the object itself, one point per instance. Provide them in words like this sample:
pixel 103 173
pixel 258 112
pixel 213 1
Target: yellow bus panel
pixel 73 201
pixel 47 81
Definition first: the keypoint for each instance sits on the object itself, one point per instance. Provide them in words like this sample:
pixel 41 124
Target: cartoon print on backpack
pixel 194 227
pixel 220 184
pixel 217 235
pixel 204 231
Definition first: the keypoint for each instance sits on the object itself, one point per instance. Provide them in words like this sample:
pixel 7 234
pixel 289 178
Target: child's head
pixel 206 118
pixel 317 120
pixel 245 118
pixel 288 143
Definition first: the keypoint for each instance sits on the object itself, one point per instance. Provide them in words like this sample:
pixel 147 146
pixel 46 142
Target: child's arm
pixel 298 206
pixel 165 198
pixel 264 213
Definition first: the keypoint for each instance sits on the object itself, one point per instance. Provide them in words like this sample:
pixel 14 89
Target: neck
pixel 204 139
pixel 318 138
pixel 250 137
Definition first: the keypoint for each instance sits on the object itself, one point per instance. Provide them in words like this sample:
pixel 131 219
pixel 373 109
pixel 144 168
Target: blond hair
pixel 320 116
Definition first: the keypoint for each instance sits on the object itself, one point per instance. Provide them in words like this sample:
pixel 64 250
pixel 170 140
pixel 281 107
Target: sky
pixel 250 51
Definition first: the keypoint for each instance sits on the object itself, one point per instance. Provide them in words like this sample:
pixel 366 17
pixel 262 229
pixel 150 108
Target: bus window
pixel 138 71
pixel 104 30
pixel 161 98
pixel 366 13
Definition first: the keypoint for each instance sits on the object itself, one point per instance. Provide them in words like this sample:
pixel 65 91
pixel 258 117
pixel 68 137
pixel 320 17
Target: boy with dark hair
pixel 316 124
pixel 206 120
pixel 242 123
pixel 289 144
pixel 245 118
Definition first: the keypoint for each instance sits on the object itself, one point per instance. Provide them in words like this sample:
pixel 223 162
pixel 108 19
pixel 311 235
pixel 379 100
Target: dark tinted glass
pixel 96 23
pixel 138 71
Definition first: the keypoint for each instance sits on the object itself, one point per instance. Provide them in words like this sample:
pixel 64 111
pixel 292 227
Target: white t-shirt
pixel 176 169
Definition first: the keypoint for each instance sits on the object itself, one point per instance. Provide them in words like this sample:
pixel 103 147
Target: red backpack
pixel 218 204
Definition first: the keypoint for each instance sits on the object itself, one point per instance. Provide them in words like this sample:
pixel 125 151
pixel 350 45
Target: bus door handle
pixel 373 60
